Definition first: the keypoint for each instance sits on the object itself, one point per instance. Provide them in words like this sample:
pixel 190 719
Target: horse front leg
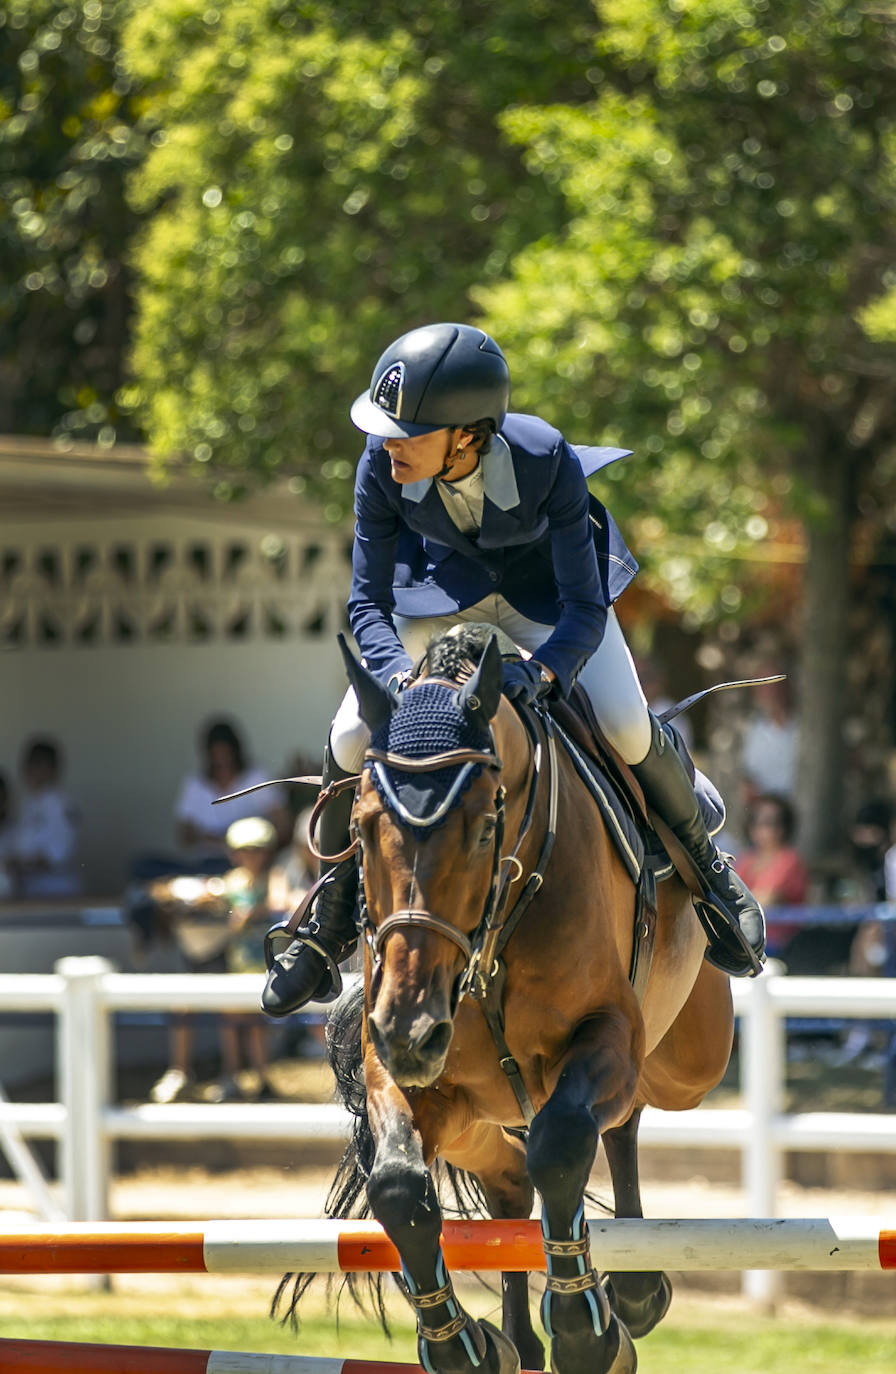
pixel 641 1300
pixel 596 1085
pixel 498 1159
pixel 403 1199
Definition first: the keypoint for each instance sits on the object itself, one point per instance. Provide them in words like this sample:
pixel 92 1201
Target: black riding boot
pixel 307 971
pixel 729 908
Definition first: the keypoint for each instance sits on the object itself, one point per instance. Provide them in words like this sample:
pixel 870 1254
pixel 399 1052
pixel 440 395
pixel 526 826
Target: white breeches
pixel 609 678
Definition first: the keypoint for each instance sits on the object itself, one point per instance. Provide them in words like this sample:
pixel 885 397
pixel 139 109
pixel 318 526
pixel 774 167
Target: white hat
pixel 253 832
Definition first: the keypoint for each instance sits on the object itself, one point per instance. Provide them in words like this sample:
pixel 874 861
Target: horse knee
pixel 402 1195
pixel 562 1145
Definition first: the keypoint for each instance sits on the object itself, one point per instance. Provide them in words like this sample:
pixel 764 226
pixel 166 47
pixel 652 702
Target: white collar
pixel 498 477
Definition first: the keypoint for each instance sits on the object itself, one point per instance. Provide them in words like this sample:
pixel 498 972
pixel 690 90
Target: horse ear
pixel 480 694
pixel 375 702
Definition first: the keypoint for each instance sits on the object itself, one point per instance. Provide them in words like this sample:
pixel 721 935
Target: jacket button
pixel 493 576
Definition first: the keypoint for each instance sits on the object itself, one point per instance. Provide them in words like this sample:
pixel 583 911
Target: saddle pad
pixel 625 833
pixel 616 792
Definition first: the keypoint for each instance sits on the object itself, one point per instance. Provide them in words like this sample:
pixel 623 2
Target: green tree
pixel 69 133
pixel 723 292
pixel 323 176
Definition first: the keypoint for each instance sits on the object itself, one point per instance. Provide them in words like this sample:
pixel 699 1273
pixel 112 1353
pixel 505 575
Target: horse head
pixel 429 818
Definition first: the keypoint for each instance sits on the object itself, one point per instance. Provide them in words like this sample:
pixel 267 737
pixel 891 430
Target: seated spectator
pixel 769 752
pixel 219 923
pixel 771 867
pixel 870 840
pixel 295 870
pixel 42 852
pixel 7 830
pixel 202 825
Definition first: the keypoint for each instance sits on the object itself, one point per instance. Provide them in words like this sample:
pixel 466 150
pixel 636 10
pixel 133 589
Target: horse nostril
pixel 436 1042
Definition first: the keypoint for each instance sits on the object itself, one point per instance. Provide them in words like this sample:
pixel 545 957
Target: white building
pixel 131 613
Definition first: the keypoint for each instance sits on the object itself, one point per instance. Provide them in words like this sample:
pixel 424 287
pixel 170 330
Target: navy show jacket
pixel 548 546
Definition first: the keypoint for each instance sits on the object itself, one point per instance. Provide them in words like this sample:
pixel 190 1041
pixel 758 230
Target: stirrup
pixel 728 948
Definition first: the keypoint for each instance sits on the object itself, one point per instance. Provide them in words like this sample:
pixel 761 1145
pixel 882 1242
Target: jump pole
pixel 70 1357
pixel 326 1246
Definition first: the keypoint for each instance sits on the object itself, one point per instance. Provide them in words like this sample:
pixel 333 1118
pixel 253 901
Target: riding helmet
pixel 440 376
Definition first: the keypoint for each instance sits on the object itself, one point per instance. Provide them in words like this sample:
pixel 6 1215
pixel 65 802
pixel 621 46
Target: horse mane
pixel 455 655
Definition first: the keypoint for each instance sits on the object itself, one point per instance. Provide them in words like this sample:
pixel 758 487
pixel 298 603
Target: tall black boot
pixel 731 915
pixel 307 970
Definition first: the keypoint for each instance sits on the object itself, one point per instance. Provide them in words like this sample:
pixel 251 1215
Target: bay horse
pixel 463 802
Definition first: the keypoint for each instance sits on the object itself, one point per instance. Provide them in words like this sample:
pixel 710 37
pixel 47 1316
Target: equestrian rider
pixel 467 513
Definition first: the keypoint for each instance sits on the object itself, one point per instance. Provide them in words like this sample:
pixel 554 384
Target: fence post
pixel 84 1070
pixel 762 1079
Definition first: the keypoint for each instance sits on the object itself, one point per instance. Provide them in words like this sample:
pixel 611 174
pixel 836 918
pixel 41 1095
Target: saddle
pixel 650 850
pixel 578 726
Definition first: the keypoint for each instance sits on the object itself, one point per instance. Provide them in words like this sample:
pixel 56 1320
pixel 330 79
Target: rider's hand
pixel 524 681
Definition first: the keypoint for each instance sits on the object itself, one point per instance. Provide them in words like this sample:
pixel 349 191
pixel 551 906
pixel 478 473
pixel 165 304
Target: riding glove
pixel 523 682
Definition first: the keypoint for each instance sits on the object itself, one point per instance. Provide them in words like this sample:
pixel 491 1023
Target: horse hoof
pixel 626 1361
pixel 642 1315
pixel 503 1357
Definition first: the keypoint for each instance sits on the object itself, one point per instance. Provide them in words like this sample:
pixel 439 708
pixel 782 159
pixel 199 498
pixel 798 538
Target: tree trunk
pixel 821 700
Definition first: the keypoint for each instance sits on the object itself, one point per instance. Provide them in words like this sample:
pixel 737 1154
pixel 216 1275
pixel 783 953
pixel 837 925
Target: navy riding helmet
pixel 441 376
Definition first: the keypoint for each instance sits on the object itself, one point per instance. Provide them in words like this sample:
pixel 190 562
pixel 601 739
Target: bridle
pixel 481 949
pixel 464 760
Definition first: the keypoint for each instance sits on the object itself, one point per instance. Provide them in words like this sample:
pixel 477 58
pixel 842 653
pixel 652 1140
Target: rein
pixel 482 977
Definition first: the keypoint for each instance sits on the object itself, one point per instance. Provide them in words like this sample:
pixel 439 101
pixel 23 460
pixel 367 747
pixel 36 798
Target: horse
pixel 463 802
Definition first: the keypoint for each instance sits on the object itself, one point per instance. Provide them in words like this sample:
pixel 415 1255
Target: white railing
pixel 84 993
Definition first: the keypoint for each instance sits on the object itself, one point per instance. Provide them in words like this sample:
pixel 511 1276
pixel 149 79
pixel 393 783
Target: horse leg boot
pixel 587 1337
pixel 403 1200
pixel 737 934
pixel 641 1299
pixel 307 970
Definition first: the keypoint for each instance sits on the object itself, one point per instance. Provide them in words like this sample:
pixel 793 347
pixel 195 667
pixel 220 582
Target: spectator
pixel 296 869
pixel 42 852
pixel 870 841
pixel 201 825
pixel 768 756
pixel 871 955
pixel 219 924
pixel 771 867
pixel 7 830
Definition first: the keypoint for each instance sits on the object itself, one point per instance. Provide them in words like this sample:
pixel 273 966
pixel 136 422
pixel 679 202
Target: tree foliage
pixel 323 176
pixel 69 133
pixel 721 289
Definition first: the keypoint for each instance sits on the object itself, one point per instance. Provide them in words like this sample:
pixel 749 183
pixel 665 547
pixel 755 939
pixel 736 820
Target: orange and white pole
pixel 326 1246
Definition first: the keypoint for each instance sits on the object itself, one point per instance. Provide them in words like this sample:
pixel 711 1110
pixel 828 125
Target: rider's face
pixel 422 456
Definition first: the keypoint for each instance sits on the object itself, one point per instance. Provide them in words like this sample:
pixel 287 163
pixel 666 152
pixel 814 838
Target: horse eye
pixel 487 833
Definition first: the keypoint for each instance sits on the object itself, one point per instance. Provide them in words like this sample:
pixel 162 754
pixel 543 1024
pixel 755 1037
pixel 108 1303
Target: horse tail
pixel 347 1198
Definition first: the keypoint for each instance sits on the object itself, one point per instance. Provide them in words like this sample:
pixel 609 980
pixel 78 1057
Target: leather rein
pixel 481 948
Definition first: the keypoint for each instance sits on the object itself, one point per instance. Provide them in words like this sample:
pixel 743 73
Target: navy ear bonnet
pixel 428 721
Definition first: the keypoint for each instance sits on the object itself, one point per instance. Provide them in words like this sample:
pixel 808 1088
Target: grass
pixel 698 1335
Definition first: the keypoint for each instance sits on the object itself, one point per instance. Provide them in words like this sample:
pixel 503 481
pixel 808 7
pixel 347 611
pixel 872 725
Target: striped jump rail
pixel 327 1246
pixel 70 1357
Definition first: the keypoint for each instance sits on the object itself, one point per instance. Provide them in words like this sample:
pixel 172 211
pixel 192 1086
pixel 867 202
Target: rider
pixel 467 513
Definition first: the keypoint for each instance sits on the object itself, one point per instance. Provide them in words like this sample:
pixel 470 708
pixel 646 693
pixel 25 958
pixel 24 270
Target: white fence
pixel 85 993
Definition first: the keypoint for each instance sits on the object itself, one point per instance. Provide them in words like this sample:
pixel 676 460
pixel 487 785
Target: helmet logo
pixel 386 391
